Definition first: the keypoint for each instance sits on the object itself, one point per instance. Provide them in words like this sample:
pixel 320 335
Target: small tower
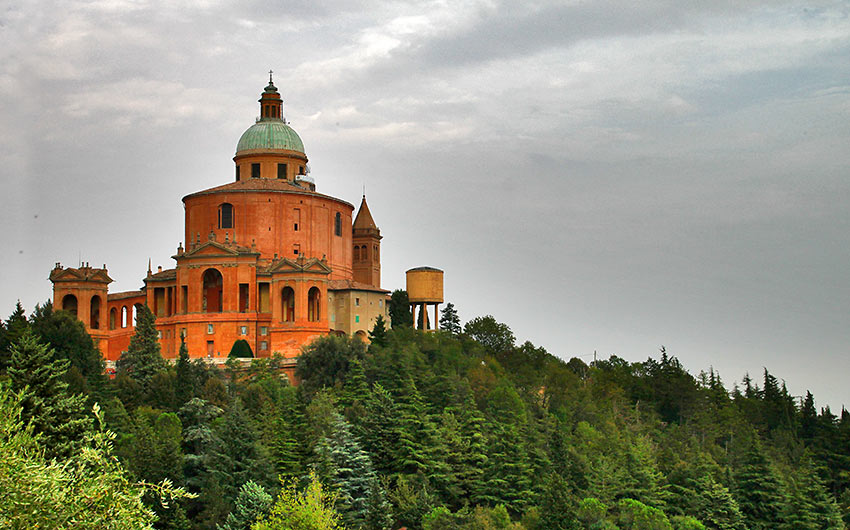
pixel 83 293
pixel 424 288
pixel 367 248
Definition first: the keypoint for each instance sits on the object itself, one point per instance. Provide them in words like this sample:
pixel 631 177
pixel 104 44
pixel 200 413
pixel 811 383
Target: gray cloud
pixel 599 175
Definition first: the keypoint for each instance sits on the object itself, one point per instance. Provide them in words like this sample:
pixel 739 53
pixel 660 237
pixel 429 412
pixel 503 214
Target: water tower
pixel 425 288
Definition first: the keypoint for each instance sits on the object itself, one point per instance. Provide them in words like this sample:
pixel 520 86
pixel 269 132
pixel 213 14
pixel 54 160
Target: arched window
pixel 375 253
pixel 338 224
pixel 212 289
pixel 113 317
pixel 313 297
pixel 124 317
pixel 94 312
pixel 287 297
pixel 69 304
pixel 225 215
pixel 356 253
pixel 136 309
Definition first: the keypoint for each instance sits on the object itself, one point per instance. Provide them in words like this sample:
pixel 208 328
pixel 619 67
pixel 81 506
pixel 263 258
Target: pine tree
pixel 378 429
pixel 558 507
pixel 252 503
pixel 68 337
pixel 758 490
pixel 143 358
pixel 449 320
pixel 348 470
pixel 378 335
pixel 281 430
pixel 55 414
pixel 13 329
pixel 238 457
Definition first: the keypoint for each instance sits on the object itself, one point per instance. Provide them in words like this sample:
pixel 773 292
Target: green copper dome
pixel 270 134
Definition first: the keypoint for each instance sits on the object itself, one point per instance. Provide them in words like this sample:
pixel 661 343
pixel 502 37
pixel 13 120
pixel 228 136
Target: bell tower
pixel 367 248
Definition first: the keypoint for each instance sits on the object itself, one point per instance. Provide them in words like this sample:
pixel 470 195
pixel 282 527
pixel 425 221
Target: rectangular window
pixel 296 218
pixel 281 171
pixel 264 330
pixel 243 297
pixel 357 318
pixel 159 334
pixel 184 299
pixel 357 302
pixel 210 348
pixel 338 224
pixel 243 330
pixel 265 302
pixel 296 249
pixel 237 173
pixel 264 346
pixel 210 329
pixel 255 171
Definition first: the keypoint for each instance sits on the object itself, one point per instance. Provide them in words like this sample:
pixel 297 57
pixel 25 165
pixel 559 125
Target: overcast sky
pixel 601 176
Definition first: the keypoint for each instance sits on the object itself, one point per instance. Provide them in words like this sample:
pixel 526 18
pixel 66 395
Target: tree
pixel 494 336
pixel 186 385
pixel 143 358
pixel 252 503
pixel 63 332
pixel 449 320
pixel 12 331
pixel 242 349
pixel 348 470
pixel 54 413
pixel 88 491
pixel 325 361
pixel 758 490
pixel 311 509
pixel 400 315
pixel 378 335
pixel 238 457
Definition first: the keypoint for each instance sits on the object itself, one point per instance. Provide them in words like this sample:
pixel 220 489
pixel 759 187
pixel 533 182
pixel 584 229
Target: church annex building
pixel 266 259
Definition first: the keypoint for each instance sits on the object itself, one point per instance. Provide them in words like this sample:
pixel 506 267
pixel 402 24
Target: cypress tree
pixel 378 429
pixel 54 413
pixel 400 315
pixel 185 384
pixel 143 358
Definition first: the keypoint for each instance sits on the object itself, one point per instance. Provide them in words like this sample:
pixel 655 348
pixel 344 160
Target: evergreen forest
pixel 462 428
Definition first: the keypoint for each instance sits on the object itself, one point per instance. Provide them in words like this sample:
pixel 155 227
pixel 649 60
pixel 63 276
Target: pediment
pixel 211 248
pixel 80 275
pixel 300 266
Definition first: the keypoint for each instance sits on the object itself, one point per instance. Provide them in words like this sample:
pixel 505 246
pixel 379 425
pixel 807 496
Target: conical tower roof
pixel 363 223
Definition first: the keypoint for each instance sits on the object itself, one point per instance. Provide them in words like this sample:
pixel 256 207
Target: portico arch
pixel 212 289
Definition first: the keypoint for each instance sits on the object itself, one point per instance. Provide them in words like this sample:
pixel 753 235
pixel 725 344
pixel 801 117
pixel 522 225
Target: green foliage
pixel 496 337
pixel 325 361
pixel 53 413
pixel 10 332
pixel 252 503
pixel 241 349
pixel 143 358
pixel 89 490
pixel 758 490
pixel 400 315
pixel 449 320
pixel 378 334
pixel 311 509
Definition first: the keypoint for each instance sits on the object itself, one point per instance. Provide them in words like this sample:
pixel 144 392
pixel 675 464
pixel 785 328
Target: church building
pixel 267 259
